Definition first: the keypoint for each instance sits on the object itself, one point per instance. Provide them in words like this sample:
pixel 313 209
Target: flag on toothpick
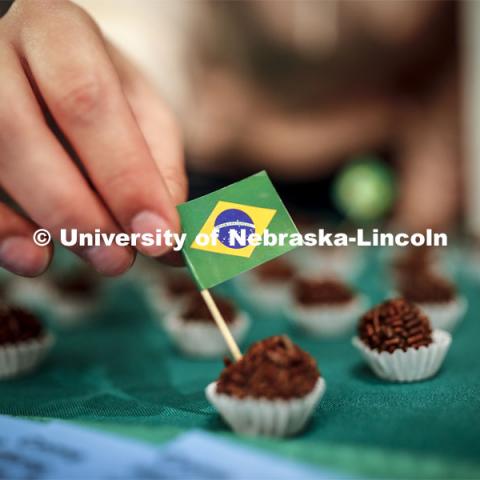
pixel 219 228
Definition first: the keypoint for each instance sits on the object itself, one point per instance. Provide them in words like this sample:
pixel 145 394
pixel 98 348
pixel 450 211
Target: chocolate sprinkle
pixel 18 325
pixel 322 292
pixel 196 309
pixel 428 288
pixel 274 368
pixel 395 324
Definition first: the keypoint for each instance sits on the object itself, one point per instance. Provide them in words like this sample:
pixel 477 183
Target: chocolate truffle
pixel 81 283
pixel 414 261
pixel 395 324
pixel 178 285
pixel 277 270
pixel 322 292
pixel 197 311
pixel 274 368
pixel 428 288
pixel 18 325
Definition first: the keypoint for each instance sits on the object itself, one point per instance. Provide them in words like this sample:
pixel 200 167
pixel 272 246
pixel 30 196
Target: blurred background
pixel 353 107
pixel 363 113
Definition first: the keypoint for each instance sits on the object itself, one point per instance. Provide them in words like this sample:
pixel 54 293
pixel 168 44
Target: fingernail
pixel 21 256
pixel 150 222
pixel 111 261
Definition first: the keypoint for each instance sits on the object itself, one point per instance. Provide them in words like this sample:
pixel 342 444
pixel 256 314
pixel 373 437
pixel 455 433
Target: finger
pixel 18 253
pixel 40 177
pixel 157 123
pixel 85 97
pixel 160 131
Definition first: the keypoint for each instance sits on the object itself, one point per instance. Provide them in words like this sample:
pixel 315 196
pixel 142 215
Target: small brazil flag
pixel 219 228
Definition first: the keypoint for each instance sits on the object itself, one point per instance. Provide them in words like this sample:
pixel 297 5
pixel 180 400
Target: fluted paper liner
pixel 67 312
pixel 73 312
pixel 409 366
pixel 158 298
pixel 263 417
pixel 262 293
pixel 20 358
pixel 28 292
pixel 203 339
pixel 327 320
pixel 446 315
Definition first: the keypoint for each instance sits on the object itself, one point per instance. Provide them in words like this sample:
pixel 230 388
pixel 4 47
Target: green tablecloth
pixel 120 373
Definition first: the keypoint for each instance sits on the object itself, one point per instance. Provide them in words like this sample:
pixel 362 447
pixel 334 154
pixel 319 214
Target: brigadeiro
pixel 24 342
pixel 74 295
pixel 414 261
pixel 267 285
pixel 272 391
pixel 396 340
pixel 193 329
pixel 324 306
pixel 437 297
pixel 168 289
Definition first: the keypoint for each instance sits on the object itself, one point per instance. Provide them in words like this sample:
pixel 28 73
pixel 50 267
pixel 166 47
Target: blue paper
pixel 57 450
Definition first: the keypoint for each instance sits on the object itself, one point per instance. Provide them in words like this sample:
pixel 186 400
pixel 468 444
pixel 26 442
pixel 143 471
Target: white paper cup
pixel 158 296
pixel 270 296
pixel 410 366
pixel 28 292
pixel 73 312
pixel 263 417
pixel 20 358
pixel 67 310
pixel 203 339
pixel 159 299
pixel 446 315
pixel 327 320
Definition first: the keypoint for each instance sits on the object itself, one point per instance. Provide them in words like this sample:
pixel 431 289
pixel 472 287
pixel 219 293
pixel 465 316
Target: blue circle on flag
pixel 237 221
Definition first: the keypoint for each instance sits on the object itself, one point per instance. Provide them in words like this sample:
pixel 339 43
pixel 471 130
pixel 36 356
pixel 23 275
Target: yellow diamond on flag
pixel 228 227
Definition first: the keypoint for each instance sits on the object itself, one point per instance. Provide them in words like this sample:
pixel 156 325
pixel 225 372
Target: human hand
pixel 58 70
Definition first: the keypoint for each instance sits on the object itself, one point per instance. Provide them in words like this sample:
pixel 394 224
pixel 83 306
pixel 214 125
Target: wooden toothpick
pixel 221 324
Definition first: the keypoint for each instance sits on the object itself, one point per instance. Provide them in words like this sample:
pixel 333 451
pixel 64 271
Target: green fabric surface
pixel 121 373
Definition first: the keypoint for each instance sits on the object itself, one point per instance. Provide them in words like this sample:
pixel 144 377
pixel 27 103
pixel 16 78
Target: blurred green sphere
pixel 364 190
